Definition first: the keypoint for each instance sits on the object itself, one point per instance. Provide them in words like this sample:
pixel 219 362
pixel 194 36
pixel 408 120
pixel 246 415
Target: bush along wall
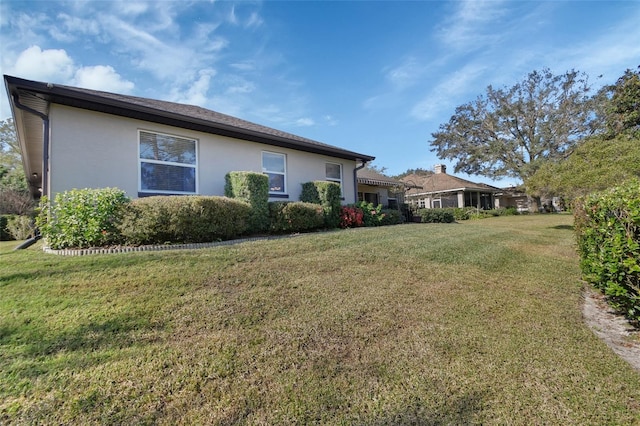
pixel 184 219
pixel 607 226
pixel 435 216
pixel 82 218
pixel 328 195
pixel 252 188
pixel 295 216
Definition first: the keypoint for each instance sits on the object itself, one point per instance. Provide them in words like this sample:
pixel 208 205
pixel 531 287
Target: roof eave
pixel 68 97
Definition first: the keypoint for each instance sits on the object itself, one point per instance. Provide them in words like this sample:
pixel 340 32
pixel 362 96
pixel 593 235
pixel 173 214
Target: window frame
pixel 141 160
pixel 284 192
pixel 338 181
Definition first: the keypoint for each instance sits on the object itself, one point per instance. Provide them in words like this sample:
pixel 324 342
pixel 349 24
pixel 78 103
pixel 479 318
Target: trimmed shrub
pixel 4 232
pixel 435 216
pixel 253 188
pixel 328 195
pixel 607 227
pixel 184 219
pixel 351 217
pixel 295 217
pixel 21 227
pixel 372 215
pixel 82 218
pixel 391 217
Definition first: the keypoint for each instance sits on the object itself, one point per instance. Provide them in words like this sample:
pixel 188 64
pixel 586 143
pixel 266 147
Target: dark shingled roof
pixel 370 177
pixel 173 114
pixel 443 182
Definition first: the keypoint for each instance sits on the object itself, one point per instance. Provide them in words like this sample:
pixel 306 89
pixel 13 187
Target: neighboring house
pixel 441 190
pixel 79 138
pixel 512 197
pixel 377 188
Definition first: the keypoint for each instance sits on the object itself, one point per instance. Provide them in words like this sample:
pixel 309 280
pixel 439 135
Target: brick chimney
pixel 441 168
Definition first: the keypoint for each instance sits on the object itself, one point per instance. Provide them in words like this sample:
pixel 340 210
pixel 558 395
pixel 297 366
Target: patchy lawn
pixel 478 322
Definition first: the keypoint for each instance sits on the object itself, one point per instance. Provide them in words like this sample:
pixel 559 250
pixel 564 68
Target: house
pixel 79 138
pixel 376 188
pixel 441 190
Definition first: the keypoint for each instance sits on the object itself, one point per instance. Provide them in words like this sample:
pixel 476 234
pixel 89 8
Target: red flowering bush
pixel 351 217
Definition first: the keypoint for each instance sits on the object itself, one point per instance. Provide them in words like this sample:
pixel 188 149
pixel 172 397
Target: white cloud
pixel 44 65
pixel 305 122
pixel 197 92
pixel 330 120
pixel 101 77
pixel 473 25
pixel 442 98
pixel 405 75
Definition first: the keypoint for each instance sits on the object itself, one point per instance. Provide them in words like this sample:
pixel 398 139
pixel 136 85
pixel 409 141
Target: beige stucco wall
pixel 96 150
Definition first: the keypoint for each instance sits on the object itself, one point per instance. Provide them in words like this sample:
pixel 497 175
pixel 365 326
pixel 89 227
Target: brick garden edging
pixel 129 249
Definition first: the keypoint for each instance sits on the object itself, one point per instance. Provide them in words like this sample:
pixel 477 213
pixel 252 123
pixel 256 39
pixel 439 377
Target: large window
pixel 168 164
pixel 333 173
pixel 274 165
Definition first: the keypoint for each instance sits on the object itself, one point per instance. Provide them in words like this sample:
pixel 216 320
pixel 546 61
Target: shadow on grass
pixel 563 227
pixel 42 350
pixel 459 411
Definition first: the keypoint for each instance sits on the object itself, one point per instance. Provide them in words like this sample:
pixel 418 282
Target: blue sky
pixel 373 77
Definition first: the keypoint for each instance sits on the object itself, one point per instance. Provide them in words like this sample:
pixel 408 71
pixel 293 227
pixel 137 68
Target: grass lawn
pixel 478 322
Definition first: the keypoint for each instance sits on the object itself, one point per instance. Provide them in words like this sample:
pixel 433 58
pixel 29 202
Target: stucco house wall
pixel 96 150
pixel 72 137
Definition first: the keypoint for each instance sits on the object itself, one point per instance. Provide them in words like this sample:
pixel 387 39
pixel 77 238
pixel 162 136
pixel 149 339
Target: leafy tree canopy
pixel 623 109
pixel 596 164
pixel 604 160
pixel 417 171
pixel 10 157
pixel 511 132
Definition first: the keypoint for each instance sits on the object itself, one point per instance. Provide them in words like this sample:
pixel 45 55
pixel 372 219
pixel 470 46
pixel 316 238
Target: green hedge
pixel 435 215
pixel 4 232
pixel 328 195
pixel 81 218
pixel 183 219
pixel 607 226
pixel 295 217
pixel 252 188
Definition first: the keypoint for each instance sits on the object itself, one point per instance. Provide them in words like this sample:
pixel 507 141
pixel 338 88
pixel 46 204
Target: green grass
pixel 477 322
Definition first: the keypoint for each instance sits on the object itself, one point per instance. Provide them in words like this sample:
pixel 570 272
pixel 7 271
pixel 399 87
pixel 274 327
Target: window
pixel 167 164
pixel 274 166
pixel 333 173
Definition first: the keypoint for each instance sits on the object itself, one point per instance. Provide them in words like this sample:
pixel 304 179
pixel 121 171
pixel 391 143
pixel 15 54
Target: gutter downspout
pixel 45 161
pixel 45 141
pixel 355 178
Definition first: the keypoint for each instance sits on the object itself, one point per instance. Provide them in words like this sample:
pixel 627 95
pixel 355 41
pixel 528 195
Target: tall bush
pixel 81 218
pixel 328 195
pixel 252 188
pixel 607 226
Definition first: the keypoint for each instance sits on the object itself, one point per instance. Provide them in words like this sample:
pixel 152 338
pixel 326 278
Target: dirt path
pixel 613 329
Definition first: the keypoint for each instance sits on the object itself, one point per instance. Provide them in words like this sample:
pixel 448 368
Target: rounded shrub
pixel 82 218
pixel 295 216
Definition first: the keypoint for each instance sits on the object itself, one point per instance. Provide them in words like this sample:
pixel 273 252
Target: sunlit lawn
pixel 478 322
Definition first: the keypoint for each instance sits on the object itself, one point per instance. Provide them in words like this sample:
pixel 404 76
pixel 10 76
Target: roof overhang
pixel 39 96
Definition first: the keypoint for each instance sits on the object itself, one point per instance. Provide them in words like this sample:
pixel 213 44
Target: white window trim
pixel 284 179
pixel 338 181
pixel 168 163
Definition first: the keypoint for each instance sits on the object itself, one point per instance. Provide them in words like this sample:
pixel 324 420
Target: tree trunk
pixel 534 204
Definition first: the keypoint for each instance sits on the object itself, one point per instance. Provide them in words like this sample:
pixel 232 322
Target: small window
pixel 274 165
pixel 168 164
pixel 333 173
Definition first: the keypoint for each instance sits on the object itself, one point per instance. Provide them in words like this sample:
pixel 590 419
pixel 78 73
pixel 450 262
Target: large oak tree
pixel 604 160
pixel 511 132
